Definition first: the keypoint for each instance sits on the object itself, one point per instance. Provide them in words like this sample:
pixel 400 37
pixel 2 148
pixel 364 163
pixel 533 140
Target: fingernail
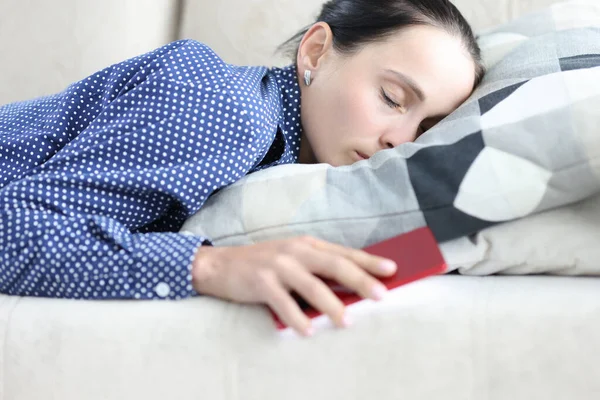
pixel 309 332
pixel 387 266
pixel 379 291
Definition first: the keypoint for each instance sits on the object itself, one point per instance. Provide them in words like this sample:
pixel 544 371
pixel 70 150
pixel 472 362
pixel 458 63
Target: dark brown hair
pixel 355 23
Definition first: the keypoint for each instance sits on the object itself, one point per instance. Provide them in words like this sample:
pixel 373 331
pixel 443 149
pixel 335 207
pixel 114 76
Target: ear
pixel 315 44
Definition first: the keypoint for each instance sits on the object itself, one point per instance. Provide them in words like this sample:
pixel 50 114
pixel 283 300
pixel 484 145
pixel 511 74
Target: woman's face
pixel 386 94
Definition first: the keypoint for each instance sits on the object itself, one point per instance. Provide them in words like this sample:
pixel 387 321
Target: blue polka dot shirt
pixel 96 181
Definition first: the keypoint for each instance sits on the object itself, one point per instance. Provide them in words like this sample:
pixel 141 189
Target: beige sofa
pixel 449 337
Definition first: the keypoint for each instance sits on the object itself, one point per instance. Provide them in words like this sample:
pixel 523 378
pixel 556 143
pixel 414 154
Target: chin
pixel 341 161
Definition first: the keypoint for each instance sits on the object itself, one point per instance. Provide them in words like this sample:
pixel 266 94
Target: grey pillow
pixel 526 141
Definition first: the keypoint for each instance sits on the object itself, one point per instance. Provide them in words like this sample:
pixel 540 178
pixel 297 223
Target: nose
pixel 398 135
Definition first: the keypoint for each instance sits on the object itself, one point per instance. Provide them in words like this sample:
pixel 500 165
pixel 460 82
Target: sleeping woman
pixel 96 181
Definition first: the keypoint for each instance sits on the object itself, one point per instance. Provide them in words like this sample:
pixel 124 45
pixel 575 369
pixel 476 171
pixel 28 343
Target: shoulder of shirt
pixel 216 74
pixel 252 91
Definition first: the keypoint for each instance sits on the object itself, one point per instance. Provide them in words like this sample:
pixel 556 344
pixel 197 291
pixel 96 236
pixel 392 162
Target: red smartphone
pixel 416 253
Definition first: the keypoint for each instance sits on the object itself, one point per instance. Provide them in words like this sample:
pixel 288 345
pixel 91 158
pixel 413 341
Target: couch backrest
pixel 47 44
pixel 246 32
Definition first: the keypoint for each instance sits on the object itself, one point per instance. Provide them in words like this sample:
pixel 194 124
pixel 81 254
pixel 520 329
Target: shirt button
pixel 162 289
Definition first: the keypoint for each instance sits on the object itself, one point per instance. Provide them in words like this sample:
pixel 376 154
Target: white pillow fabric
pixel 563 241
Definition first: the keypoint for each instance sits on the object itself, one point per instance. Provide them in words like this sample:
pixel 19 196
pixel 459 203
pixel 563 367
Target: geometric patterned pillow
pixel 526 141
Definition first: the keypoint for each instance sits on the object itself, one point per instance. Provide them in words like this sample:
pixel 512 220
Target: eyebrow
pixel 410 83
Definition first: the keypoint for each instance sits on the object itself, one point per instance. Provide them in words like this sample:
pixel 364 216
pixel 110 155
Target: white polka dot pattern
pixel 96 181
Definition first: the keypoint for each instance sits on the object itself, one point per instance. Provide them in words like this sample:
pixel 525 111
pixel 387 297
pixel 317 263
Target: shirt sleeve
pixel 105 173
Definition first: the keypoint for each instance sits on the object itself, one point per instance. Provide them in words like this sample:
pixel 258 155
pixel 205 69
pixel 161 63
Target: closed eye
pixel 391 103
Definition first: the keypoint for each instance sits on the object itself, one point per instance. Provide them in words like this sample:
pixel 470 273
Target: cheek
pixel 334 113
pixel 360 110
pixel 343 116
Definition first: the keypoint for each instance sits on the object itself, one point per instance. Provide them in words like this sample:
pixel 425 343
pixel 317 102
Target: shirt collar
pixel 289 119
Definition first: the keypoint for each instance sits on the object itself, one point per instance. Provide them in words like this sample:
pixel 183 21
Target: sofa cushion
pixel 447 337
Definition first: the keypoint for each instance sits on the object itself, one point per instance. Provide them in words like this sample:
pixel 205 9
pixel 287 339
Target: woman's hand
pixel 267 272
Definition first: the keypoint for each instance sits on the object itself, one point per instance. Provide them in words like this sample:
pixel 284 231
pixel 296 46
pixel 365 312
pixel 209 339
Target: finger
pixel 284 305
pixel 344 271
pixel 373 264
pixel 314 291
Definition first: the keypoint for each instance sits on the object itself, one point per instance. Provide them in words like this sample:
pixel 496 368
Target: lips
pixel 362 155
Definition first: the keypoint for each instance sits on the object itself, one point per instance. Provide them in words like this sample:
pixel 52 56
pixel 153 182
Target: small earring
pixel 307 77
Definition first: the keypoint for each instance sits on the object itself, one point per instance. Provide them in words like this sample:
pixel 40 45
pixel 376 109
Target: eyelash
pixel 391 103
